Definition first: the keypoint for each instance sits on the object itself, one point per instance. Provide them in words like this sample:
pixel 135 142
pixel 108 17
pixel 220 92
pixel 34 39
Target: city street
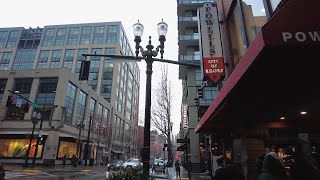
pixel 82 173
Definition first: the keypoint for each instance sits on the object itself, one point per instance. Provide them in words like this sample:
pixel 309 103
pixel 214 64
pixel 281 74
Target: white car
pixel 132 163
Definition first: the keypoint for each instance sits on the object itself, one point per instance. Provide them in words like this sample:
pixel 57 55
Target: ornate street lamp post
pixel 148 55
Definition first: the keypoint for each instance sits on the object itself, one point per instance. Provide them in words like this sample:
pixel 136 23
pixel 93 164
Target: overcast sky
pixel 33 13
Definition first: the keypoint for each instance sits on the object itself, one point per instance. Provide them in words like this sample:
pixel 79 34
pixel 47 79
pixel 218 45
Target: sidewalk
pixel 171 174
pixel 56 168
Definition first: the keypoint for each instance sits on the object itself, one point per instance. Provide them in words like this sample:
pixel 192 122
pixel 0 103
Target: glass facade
pixel 94 69
pixel 43 59
pixel 85 35
pixel 21 87
pixel 105 117
pixel 46 95
pixel 24 59
pixel 69 102
pixel 60 37
pixel 98 35
pixel 16 148
pixel 92 107
pixel 48 37
pixel 68 58
pixel 80 58
pixel 55 58
pixel 5 60
pixel 3 37
pixel 73 36
pixel 67 148
pixel 81 108
pixel 13 39
pixel 112 33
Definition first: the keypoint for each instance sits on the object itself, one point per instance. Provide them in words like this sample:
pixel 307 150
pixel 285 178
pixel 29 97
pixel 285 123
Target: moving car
pixel 115 165
pixel 159 165
pixel 132 163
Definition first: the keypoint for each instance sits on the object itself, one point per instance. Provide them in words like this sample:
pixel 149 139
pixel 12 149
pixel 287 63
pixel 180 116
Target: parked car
pixel 159 165
pixel 115 165
pixel 132 163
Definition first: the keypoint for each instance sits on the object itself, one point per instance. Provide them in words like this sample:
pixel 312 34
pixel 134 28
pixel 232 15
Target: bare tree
pixel 161 108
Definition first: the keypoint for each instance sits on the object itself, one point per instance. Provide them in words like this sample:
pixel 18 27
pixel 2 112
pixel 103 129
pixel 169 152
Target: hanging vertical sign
pixel 185 116
pixel 210 43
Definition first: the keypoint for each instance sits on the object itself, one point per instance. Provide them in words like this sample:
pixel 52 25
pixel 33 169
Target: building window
pixel 254 15
pixel 73 36
pixel 98 35
pixel 85 35
pixel 105 117
pixel 67 148
pixel 112 34
pixel 46 95
pixel 98 118
pixel 61 35
pixel 68 58
pixel 92 106
pixel 24 59
pixel 69 102
pixel 94 69
pixel 13 39
pixel 3 37
pixel 4 64
pixel 81 108
pixel 21 87
pixel 55 59
pixel 43 59
pixel 48 37
pixel 80 58
pixel 16 148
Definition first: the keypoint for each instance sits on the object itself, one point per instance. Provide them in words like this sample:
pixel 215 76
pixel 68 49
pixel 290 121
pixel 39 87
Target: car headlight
pixel 118 165
pixel 108 164
pixel 135 165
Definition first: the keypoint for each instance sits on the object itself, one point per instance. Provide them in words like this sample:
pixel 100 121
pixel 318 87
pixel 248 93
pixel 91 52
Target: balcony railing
pixel 195 1
pixel 189 37
pixel 189 58
pixel 188 18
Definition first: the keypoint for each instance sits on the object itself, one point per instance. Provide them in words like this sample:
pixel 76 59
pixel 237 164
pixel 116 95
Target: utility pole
pixel 38 138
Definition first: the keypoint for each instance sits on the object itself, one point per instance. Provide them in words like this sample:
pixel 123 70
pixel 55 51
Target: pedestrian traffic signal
pixel 200 93
pixel 196 101
pixel 84 70
pixel 26 107
pixel 9 101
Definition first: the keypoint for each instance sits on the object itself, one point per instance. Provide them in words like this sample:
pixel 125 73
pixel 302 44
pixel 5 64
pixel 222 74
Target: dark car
pixel 115 165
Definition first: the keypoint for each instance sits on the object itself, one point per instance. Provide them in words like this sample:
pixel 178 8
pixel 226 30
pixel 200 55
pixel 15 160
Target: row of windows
pixel 12 39
pixel 94 35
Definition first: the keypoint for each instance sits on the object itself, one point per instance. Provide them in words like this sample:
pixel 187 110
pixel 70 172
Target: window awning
pixel 278 76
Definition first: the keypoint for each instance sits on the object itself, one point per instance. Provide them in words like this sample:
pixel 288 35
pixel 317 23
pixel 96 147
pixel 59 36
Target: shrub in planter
pixel 129 174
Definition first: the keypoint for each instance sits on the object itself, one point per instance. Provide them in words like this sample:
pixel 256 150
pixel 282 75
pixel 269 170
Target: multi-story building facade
pixel 61 46
pixel 192 81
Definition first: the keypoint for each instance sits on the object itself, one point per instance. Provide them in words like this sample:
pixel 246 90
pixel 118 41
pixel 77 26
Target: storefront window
pixel 16 148
pixel 67 148
pixel 254 17
pixel 3 83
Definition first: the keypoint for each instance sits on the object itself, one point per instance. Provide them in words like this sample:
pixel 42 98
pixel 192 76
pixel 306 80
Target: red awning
pixel 278 76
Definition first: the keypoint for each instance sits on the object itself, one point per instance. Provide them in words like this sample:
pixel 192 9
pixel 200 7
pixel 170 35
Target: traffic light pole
pixel 26 164
pixel 36 150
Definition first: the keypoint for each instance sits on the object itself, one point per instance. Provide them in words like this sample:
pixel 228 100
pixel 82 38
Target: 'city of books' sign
pixel 210 43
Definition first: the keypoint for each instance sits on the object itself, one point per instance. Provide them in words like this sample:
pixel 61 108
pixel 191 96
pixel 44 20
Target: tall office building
pixel 192 109
pixel 51 57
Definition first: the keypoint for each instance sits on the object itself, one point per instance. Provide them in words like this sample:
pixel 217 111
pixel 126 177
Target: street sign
pixel 19 102
pixel 36 106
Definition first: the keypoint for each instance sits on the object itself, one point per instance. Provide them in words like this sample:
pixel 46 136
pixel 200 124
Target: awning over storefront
pixel 278 77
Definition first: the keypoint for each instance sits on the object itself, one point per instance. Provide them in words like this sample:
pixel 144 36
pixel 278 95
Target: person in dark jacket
pixel 189 168
pixel 177 166
pixel 2 172
pixel 218 172
pixel 259 164
pixel 229 172
pixel 272 168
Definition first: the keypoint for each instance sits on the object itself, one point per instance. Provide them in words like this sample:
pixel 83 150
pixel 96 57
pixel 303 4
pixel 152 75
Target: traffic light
pixel 200 93
pixel 26 107
pixel 84 70
pixel 9 100
pixel 196 100
pixel 41 141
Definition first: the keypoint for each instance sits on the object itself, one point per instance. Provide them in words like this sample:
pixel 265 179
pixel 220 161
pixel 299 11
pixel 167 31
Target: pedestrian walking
pixel 2 172
pixel 189 168
pixel 64 160
pixel 272 168
pixel 177 166
pixel 74 161
pixel 218 173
